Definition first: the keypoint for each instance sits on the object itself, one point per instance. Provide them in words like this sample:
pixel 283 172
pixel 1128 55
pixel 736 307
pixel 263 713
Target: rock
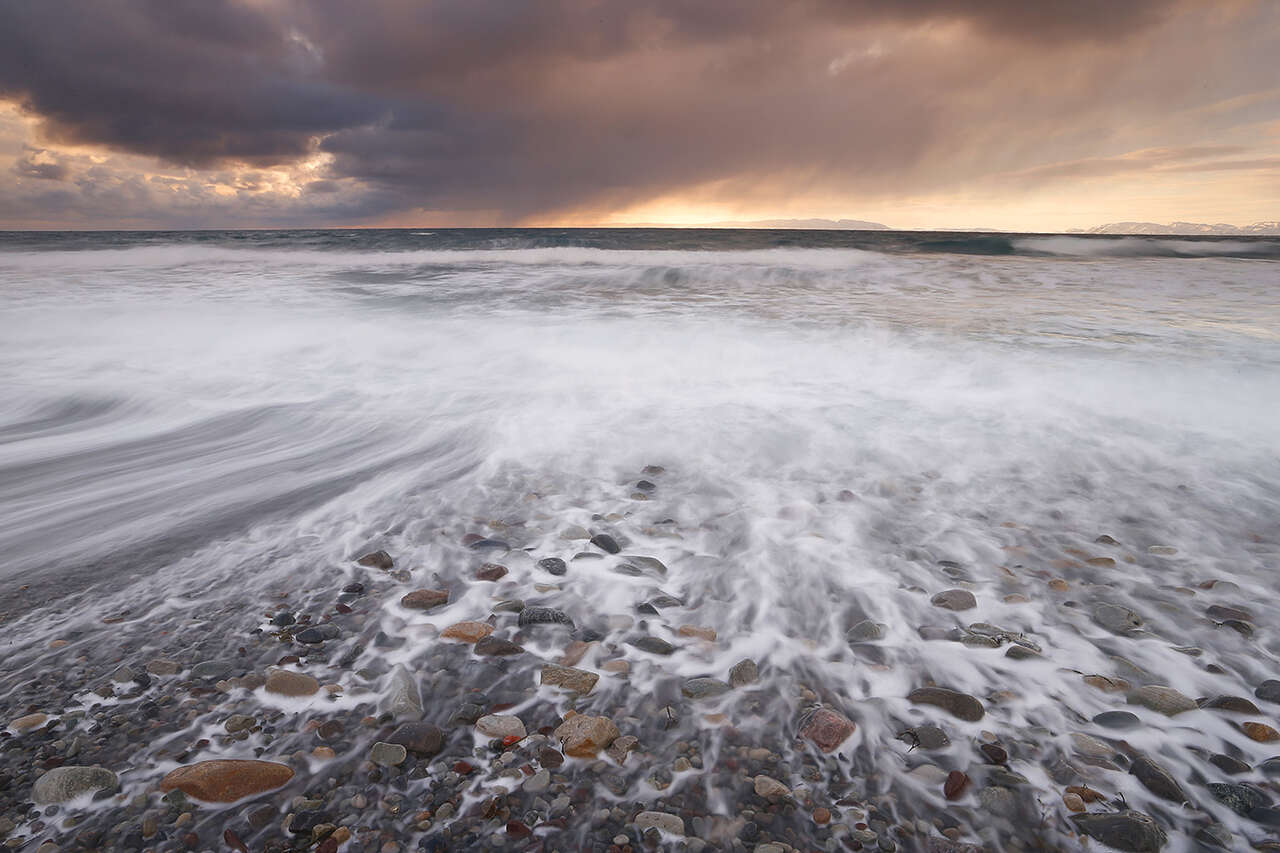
pixel 227 780
pixel 668 823
pixel 866 631
pixel 708 634
pixel 1104 539
pixel 1271 766
pixel 212 670
pixel 483 544
pixel 583 736
pixel 994 753
pixel 424 599
pixel 1117 720
pixel 827 728
pixel 553 565
pixel 467 632
pixel 926 737
pixel 1162 550
pixel 422 739
pixel 1073 802
pixel 1233 704
pixel 1268 691
pixel 1117 619
pixel 162 666
pixel 954 599
pixel 1105 684
pixel 606 543
pixel 403 698
pixel 25 724
pixel 318 634
pixel 1229 764
pixel 538 782
pixel 619 749
pixel 68 782
pixel 500 726
pixel 491 572
pixel 284 682
pixel 1130 831
pixel 770 788
pixel 744 672
pixel 1260 732
pixel 239 723
pixel 543 616
pixel 1241 799
pixel 578 680
pixel 954 787
pixel 647 564
pixel 959 705
pixel 1102 562
pixel 1162 700
pixel 1156 779
pixel 388 754
pixel 283 619
pixel 654 645
pixel 704 688
pixel 1223 613
pixel 377 560
pixel 497 647
pixel 1215 835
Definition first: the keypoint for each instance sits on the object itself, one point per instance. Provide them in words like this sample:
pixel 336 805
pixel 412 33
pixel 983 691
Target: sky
pixel 1036 116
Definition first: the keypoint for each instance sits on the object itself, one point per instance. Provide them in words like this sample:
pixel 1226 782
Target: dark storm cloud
pixel 534 107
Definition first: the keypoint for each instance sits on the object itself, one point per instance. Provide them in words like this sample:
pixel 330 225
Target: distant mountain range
pixel 806 224
pixel 1181 228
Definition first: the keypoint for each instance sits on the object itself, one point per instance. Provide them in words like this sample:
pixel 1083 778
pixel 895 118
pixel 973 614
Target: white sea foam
pixel 205 430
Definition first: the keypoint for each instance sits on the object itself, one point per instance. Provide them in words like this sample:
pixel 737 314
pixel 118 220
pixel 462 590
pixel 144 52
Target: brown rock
pixel 619 749
pixel 1059 585
pixel 960 705
pixel 827 729
pixel 821 816
pixel 698 631
pixel 284 682
pixel 424 599
pixel 954 787
pixel 1086 794
pixel 1260 732
pixel 29 722
pixel 491 572
pixel 1073 802
pixel 577 680
pixel 377 560
pixel 1104 562
pixel 1107 685
pixel 227 780
pixel 583 736
pixel 467 632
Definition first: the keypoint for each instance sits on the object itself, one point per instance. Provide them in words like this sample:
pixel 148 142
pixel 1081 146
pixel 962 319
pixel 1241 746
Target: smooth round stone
pixel 605 542
pixel 66 783
pixel 283 619
pixel 866 631
pixel 227 780
pixel 1117 720
pixel 317 634
pixel 284 682
pixel 954 599
pixel 543 616
pixel 388 754
pixel 211 670
pixel 704 688
pixel 553 565
pixel 500 725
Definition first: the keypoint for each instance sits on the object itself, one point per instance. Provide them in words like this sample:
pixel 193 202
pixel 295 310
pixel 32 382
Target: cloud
pixel 527 111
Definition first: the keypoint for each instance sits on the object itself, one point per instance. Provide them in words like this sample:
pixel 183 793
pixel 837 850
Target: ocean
pixel 869 462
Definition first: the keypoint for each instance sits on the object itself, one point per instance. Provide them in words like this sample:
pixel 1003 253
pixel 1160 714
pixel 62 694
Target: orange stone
pixel 467 632
pixel 424 599
pixel 227 780
pixel 583 736
pixel 1059 584
pixel 1260 732
pixel 698 631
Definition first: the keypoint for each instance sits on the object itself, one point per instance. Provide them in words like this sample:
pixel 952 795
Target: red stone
pixel 828 729
pixel 955 785
pixel 518 830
